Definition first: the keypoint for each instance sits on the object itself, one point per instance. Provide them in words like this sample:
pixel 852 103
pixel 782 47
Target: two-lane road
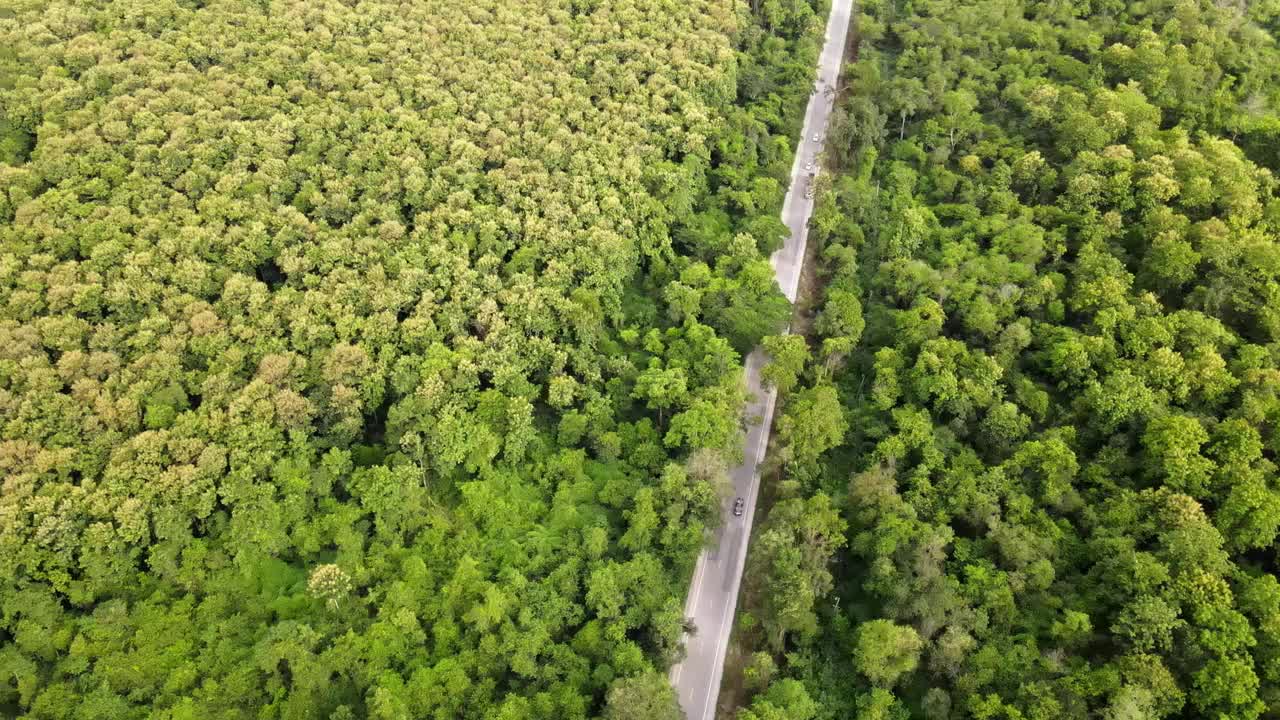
pixel 713 594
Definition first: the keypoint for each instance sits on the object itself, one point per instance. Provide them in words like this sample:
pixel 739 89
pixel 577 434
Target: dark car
pixel 737 506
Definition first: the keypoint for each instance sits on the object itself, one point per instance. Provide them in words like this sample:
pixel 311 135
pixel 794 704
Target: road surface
pixel 713 593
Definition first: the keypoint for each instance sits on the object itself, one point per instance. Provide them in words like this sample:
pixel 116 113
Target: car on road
pixel 737 507
pixel 808 167
pixel 815 137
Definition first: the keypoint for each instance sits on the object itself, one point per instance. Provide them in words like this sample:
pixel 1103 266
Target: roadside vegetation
pixel 1030 465
pixel 375 360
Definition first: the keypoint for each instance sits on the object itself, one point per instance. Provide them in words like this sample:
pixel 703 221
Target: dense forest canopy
pixel 375 359
pixel 1055 244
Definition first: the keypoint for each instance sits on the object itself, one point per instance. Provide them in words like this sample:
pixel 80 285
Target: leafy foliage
pixel 1053 242
pixel 374 359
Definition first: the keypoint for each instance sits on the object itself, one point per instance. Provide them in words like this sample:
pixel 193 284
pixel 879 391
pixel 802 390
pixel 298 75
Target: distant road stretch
pixel 713 594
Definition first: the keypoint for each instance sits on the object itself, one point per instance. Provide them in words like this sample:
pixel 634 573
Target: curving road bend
pixel 713 593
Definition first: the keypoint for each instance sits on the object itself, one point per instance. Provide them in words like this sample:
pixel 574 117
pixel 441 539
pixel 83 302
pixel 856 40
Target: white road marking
pixel 698 688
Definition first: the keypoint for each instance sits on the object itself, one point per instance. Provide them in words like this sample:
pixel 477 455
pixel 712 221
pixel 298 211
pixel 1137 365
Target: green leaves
pixel 420 311
pixel 884 652
pixel 790 558
pixel 784 700
pixel 812 423
pixel 787 357
pixel 748 307
pixel 661 388
pixel 1148 623
pixel 1058 448
pixel 647 696
pixel 164 405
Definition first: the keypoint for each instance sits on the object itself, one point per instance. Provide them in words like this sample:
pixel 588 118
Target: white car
pixel 815 137
pixel 808 167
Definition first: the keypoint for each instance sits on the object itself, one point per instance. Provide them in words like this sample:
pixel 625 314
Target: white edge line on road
pixel 830 48
pixel 730 608
pixel 690 604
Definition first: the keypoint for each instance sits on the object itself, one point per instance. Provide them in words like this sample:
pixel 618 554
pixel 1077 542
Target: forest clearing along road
pixel 713 593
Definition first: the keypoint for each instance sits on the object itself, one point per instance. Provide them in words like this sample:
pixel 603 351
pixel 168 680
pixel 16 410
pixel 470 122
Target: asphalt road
pixel 713 593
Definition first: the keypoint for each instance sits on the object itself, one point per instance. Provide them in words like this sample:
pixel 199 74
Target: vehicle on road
pixel 718 577
pixel 808 167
